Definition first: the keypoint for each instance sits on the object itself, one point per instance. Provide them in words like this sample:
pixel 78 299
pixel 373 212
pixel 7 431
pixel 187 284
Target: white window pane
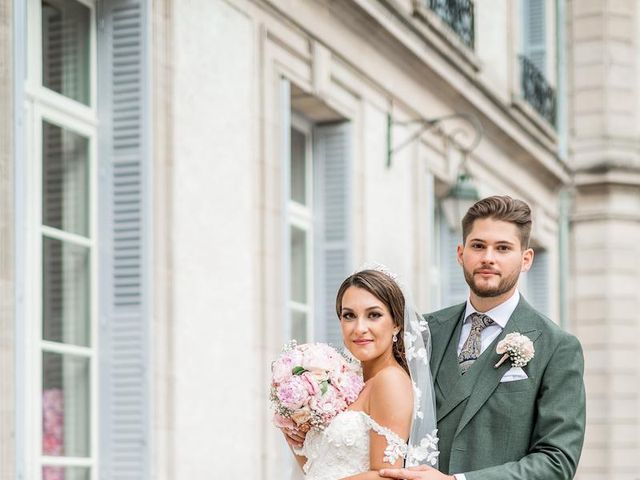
pixel 65 292
pixel 298 265
pixel 299 326
pixel 66 473
pixel 65 48
pixel 65 405
pixel 298 167
pixel 65 179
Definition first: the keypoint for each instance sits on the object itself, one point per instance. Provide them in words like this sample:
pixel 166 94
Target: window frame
pixel 302 217
pixel 43 104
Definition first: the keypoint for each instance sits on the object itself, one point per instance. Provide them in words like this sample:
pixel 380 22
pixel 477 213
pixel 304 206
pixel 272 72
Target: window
pixel 534 82
pixel 534 34
pixel 534 284
pixel 453 287
pixel 317 250
pixel 300 230
pixel 62 243
pixel 459 16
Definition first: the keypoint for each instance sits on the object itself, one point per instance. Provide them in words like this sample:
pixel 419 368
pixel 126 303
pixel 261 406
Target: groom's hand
pixel 421 472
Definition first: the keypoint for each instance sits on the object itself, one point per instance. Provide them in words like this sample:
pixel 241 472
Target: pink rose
pixel 293 392
pixel 328 404
pixel 283 422
pixel 311 383
pixel 301 416
pixel 282 369
pixel 315 359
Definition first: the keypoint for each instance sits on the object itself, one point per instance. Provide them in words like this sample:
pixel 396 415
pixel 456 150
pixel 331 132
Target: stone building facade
pixel 604 131
pixel 184 184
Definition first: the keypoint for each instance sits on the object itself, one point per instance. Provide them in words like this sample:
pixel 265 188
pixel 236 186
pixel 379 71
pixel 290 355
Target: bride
pixel 392 423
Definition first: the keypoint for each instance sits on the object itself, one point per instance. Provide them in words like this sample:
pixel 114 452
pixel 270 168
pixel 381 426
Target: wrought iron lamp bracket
pixel 428 124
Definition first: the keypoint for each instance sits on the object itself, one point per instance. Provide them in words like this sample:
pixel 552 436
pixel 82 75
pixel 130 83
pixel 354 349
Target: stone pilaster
pixel 7 337
pixel 605 154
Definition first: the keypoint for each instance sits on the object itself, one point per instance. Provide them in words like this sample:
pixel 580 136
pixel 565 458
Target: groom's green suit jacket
pixel 530 429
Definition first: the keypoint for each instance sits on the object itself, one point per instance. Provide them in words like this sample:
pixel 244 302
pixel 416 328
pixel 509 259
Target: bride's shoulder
pixel 391 400
pixel 392 384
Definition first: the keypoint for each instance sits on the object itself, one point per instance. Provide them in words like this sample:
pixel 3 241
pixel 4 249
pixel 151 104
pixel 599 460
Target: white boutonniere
pixel 517 347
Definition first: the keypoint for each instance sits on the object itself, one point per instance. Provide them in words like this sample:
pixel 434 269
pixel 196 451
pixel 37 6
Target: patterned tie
pixel 473 345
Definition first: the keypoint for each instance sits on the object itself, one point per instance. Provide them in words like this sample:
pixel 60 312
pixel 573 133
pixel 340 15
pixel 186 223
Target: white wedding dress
pixel 342 449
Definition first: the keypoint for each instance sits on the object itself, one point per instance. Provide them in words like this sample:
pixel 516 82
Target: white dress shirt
pixel 500 315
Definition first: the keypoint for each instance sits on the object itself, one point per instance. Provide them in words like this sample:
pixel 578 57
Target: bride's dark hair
pixel 385 289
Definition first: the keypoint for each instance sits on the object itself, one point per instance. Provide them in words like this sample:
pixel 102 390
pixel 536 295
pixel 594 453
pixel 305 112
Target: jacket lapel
pixel 453 387
pixel 521 321
pixel 442 329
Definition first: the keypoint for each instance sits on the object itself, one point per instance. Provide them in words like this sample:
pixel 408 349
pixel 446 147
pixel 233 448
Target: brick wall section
pixel 7 384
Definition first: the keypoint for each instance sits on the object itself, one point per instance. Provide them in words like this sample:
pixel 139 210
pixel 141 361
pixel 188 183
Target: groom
pixel 502 422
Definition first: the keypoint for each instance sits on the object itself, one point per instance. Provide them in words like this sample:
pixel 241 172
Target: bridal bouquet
pixel 311 384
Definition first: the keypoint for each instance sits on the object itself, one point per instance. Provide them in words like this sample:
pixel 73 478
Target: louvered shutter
pixel 125 247
pixel 332 160
pixel 534 33
pixel 537 282
pixel 454 287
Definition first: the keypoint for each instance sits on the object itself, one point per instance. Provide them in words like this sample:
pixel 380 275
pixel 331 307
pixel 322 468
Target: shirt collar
pixel 499 314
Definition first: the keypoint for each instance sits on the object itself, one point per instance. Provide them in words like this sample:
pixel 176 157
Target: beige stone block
pixel 619 52
pixel 625 201
pixel 624 308
pixel 593 336
pixel 589 76
pixel 621 7
pixel 590 310
pixel 587 285
pixel 588 125
pixel 586 7
pixel 623 334
pixel 618 99
pixel 596 433
pixel 590 100
pixel 593 458
pixel 588 234
pixel 588 52
pixel 599 435
pixel 617 285
pixel 596 383
pixel 625 457
pixel 597 409
pixel 589 473
pixel 618 75
pixel 608 260
pixel 620 27
pixel 624 408
pixel 587 28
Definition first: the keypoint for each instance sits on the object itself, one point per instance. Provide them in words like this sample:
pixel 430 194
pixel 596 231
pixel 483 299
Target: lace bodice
pixel 342 449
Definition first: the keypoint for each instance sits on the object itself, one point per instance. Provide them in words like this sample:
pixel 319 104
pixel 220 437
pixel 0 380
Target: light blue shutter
pixel 454 287
pixel 332 160
pixel 125 241
pixel 534 33
pixel 537 282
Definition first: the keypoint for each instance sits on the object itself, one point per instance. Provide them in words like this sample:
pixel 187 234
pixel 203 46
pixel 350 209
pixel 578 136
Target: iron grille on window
pixel 537 91
pixel 458 14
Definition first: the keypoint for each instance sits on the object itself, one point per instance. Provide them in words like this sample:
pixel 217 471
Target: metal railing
pixel 459 16
pixel 537 91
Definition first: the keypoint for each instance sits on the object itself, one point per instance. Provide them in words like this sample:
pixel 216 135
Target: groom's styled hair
pixel 502 208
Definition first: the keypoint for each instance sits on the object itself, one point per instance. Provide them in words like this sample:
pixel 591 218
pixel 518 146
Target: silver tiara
pixel 378 267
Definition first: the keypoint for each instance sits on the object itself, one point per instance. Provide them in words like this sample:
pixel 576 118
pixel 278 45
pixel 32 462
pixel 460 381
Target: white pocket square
pixel 513 374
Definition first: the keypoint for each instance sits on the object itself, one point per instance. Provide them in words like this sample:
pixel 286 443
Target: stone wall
pixel 7 324
pixel 603 99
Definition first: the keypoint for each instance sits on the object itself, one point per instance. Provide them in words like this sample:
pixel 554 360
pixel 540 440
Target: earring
pixel 395 337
